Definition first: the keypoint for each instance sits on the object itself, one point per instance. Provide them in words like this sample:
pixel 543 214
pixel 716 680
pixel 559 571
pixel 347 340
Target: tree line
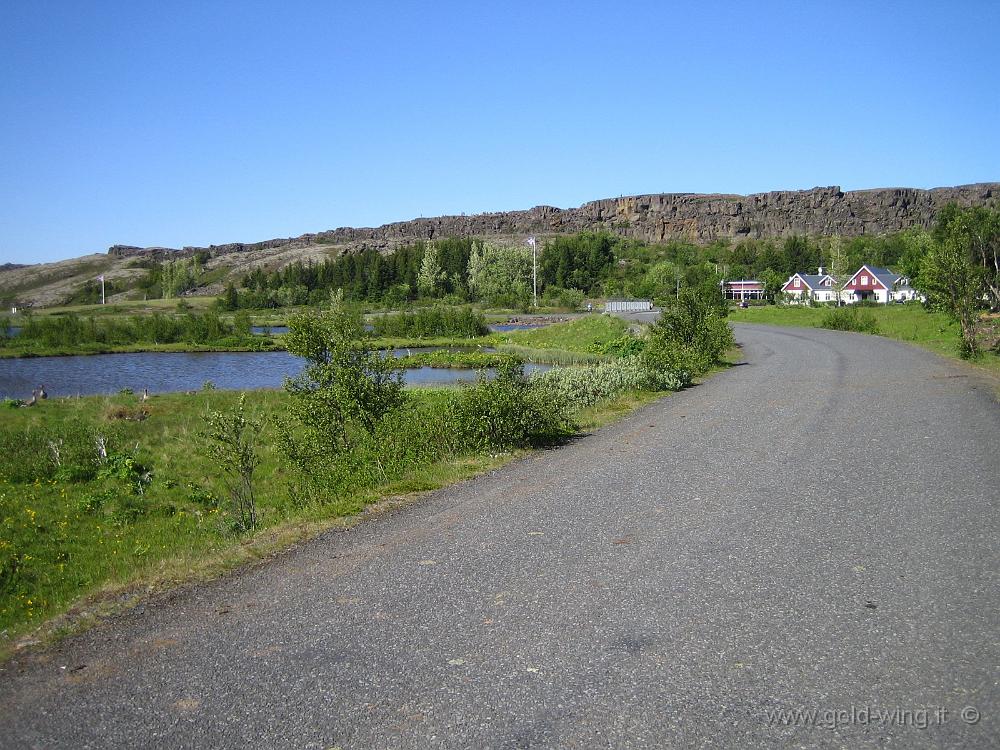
pixel 570 268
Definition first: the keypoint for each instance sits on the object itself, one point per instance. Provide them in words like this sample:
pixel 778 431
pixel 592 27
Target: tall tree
pixel 950 278
pixel 839 268
pixel 431 275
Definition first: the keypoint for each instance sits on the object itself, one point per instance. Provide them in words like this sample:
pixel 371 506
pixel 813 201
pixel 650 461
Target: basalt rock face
pixel 662 217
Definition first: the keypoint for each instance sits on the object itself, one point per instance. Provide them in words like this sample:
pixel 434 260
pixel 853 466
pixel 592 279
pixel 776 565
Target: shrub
pixel 684 361
pixel 419 435
pixel 232 440
pixel 344 391
pixel 850 319
pixel 70 331
pixel 580 387
pixel 567 299
pixel 431 322
pixel 507 412
pixel 690 336
pixel 625 345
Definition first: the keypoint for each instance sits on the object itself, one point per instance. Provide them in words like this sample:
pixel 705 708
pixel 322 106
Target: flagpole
pixel 102 289
pixel 534 270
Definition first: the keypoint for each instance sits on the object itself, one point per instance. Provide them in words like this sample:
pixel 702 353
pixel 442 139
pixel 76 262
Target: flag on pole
pixel 531 241
pixel 100 278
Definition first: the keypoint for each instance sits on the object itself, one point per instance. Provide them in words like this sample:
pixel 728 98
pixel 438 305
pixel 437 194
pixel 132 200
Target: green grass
pixel 66 540
pixel 550 356
pixel 128 307
pixel 85 546
pixel 256 344
pixel 447 358
pixel 399 342
pixel 574 336
pixel 910 323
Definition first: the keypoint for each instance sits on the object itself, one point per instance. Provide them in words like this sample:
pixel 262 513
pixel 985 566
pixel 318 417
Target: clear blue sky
pixel 191 123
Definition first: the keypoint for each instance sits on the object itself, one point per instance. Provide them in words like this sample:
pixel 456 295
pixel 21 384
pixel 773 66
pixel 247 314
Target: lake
pixel 163 372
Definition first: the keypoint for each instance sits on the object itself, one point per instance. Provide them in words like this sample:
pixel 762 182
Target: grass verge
pixel 73 550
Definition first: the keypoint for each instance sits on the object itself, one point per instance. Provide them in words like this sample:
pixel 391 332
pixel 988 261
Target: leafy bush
pixel 344 390
pixel 507 412
pixel 625 345
pixel 419 435
pixel 567 299
pixel 232 441
pixel 684 361
pixel 850 319
pixel 580 387
pixel 690 336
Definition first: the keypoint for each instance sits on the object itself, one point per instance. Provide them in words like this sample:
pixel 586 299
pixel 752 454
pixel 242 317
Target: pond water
pixel 504 327
pixel 162 372
pixel 274 330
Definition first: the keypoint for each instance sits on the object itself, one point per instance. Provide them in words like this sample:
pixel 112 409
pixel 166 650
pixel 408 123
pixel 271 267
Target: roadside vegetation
pixel 438 321
pixel 101 494
pixel 957 265
pixel 72 334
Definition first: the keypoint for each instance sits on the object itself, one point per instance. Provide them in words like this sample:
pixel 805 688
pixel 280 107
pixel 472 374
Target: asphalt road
pixel 816 528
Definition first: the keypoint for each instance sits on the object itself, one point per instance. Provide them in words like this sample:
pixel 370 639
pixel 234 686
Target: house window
pixel 864 281
pixel 796 282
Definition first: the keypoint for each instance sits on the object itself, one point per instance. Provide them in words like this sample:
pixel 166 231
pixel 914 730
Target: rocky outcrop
pixel 657 218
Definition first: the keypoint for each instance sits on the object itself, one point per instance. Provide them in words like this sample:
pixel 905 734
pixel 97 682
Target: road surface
pixel 814 529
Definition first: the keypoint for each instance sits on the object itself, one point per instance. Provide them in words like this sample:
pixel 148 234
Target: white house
pixel 743 289
pixel 878 285
pixel 802 287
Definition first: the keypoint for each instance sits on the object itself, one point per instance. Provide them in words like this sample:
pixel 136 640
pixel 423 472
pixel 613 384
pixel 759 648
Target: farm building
pixel 743 289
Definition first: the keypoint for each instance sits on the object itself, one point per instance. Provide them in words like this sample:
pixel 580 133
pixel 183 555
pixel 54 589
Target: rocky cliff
pixel 660 217
pixel 651 218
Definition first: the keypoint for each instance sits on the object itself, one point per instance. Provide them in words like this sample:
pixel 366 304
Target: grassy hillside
pixel 51 284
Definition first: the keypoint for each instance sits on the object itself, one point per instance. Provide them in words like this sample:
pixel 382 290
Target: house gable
pixel 865 279
pixel 801 286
